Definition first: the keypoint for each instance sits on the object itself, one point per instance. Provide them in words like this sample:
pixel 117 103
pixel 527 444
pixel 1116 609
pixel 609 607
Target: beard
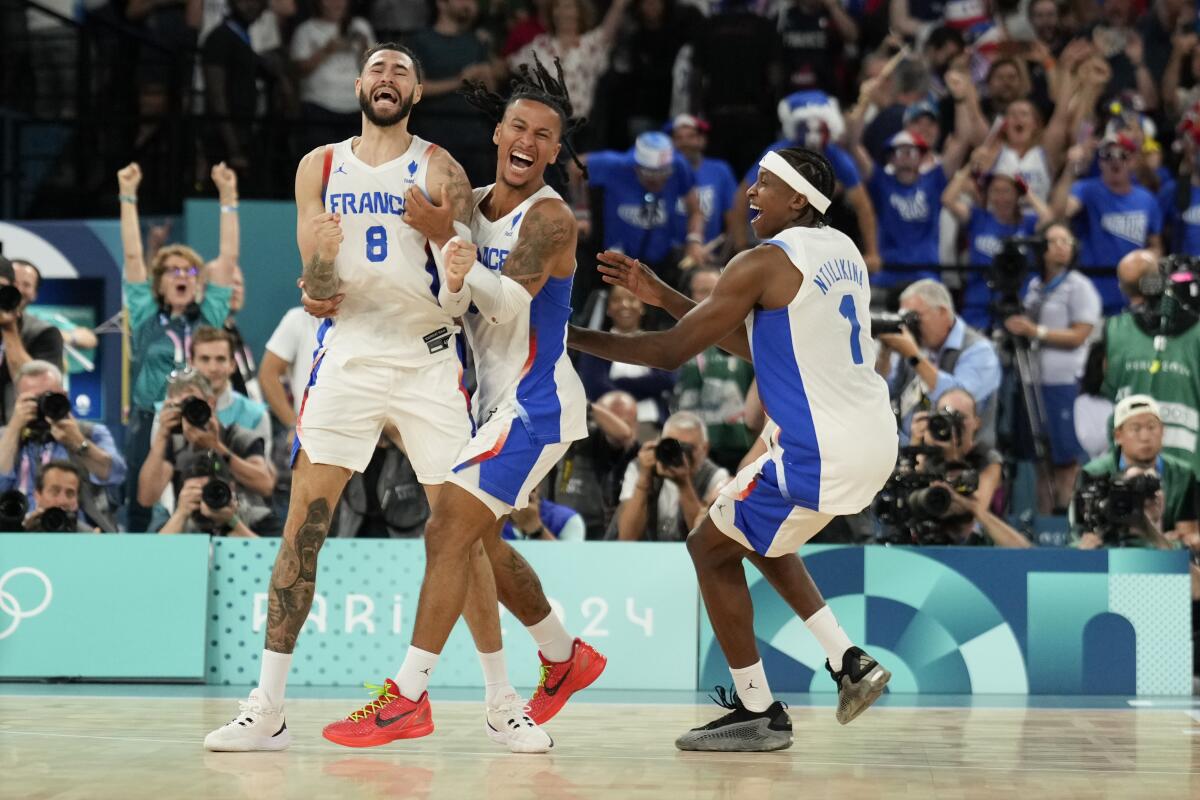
pixel 381 121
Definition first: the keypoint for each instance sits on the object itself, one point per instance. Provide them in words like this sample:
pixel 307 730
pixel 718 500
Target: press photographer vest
pixel 947 360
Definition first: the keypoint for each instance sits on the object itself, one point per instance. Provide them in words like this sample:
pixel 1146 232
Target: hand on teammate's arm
pixel 434 221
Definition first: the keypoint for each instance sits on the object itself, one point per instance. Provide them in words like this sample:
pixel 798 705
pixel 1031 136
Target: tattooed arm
pixel 448 182
pixel 294 579
pixel 318 233
pixel 546 246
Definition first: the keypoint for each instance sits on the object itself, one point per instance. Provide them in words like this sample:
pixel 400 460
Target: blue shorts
pixel 1059 401
pixel 502 463
pixel 752 511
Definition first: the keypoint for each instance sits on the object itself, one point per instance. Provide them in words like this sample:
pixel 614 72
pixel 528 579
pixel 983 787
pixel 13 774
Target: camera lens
pixel 216 494
pixel 669 453
pixel 930 503
pixel 196 411
pixel 10 298
pixel 13 507
pixel 55 520
pixel 54 406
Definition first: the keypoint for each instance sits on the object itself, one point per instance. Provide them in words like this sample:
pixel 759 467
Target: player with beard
pixel 515 301
pixel 390 356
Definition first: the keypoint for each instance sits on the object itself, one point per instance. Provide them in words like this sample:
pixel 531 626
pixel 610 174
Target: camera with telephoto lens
pixel 1170 297
pixel 888 322
pixel 51 407
pixel 217 492
pixel 13 508
pixel 911 508
pixel 10 298
pixel 57 520
pixel 947 425
pixel 1110 506
pixel 671 453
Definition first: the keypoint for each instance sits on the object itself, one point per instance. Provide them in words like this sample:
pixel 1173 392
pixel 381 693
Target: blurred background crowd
pixel 1019 175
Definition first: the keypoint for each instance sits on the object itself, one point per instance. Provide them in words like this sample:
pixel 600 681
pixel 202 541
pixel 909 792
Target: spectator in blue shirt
pixel 212 356
pixel 941 354
pixel 1114 216
pixel 988 225
pixel 813 120
pixel 31 441
pixel 542 520
pixel 1179 202
pixel 715 184
pixel 641 189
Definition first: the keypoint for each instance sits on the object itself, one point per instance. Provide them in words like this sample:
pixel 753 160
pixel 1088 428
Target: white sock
pixel 752 688
pixel 495 677
pixel 272 675
pixel 552 638
pixel 832 638
pixel 413 677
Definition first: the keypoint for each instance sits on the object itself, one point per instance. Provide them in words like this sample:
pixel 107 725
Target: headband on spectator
pixel 777 164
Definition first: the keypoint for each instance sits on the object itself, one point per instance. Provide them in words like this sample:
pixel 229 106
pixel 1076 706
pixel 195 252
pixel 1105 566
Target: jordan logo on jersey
pixel 341 169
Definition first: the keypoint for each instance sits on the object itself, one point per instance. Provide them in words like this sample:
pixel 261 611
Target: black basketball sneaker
pixel 860 682
pixel 741 730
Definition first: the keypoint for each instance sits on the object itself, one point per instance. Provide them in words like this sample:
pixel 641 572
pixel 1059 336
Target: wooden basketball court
pixel 134 743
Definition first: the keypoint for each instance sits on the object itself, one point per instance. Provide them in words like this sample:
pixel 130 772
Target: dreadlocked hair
pixel 817 170
pixel 537 84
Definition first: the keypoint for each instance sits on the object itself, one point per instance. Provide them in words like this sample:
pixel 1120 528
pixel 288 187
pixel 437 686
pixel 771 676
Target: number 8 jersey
pixel 386 268
pixel 815 365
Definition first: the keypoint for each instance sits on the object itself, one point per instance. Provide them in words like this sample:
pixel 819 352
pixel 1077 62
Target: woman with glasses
pixel 163 308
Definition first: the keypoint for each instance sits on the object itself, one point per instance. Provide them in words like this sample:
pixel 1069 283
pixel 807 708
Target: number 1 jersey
pixel 815 365
pixel 386 268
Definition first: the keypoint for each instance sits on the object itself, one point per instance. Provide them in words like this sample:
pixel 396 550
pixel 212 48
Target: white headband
pixel 775 163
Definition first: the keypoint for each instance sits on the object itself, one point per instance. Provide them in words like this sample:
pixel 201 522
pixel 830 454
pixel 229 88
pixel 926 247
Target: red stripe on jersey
pixel 746 492
pixel 325 172
pixel 312 374
pixel 493 452
pixel 532 354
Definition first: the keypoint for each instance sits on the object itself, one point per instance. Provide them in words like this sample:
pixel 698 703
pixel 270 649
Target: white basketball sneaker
pixel 508 723
pixel 258 726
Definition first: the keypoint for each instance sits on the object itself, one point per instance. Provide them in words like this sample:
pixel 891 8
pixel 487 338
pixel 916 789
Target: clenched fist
pixel 327 228
pixel 129 178
pixel 459 257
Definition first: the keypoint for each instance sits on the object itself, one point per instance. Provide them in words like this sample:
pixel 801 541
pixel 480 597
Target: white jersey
pixel 386 268
pixel 815 364
pixel 524 361
pixel 1033 168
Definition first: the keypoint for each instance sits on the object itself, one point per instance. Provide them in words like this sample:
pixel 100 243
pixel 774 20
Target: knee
pixel 446 540
pixel 709 548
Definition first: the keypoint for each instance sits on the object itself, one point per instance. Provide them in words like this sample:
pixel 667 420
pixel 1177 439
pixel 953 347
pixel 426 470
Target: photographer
pixel 1105 512
pixel 23 338
pixel 213 356
pixel 29 281
pixel 670 485
pixel 205 473
pixel 1154 346
pixel 187 425
pixel 42 430
pixel 955 460
pixel 56 494
pixel 937 352
pixel 1062 308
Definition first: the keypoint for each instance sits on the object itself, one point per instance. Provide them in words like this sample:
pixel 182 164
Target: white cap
pixel 653 150
pixel 1132 406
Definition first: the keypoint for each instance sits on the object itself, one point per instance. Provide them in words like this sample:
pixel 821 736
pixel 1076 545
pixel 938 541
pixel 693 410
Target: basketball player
pixel 531 404
pixel 797 307
pixel 389 357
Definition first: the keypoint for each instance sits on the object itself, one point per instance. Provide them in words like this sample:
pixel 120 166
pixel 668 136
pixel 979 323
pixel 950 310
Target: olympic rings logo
pixel 12 607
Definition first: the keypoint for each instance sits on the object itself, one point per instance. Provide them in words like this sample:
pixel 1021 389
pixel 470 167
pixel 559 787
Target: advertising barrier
pixel 636 602
pixel 112 606
pixel 985 621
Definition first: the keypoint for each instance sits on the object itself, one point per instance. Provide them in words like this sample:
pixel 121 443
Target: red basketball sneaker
pixel 561 679
pixel 390 716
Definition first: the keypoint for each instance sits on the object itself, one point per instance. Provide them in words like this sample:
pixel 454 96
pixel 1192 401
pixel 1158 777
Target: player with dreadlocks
pixel 796 307
pixel 509 277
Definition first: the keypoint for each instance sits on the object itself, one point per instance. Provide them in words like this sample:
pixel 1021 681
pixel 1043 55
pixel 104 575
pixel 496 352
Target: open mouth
pixel 181 287
pixel 387 96
pixel 755 213
pixel 520 161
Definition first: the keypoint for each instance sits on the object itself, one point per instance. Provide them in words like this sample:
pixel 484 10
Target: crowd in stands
pixel 1012 171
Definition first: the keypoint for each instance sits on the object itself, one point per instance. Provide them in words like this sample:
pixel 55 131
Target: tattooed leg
pixel 457 522
pixel 315 491
pixel 517 584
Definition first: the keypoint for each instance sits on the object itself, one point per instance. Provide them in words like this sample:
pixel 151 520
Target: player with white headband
pixel 797 307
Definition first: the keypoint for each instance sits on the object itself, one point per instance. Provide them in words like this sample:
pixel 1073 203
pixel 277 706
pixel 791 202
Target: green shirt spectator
pixel 713 385
pixel 1172 377
pixel 1178 485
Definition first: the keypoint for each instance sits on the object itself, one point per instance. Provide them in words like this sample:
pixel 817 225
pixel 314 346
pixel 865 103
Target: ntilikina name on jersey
pixel 839 269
